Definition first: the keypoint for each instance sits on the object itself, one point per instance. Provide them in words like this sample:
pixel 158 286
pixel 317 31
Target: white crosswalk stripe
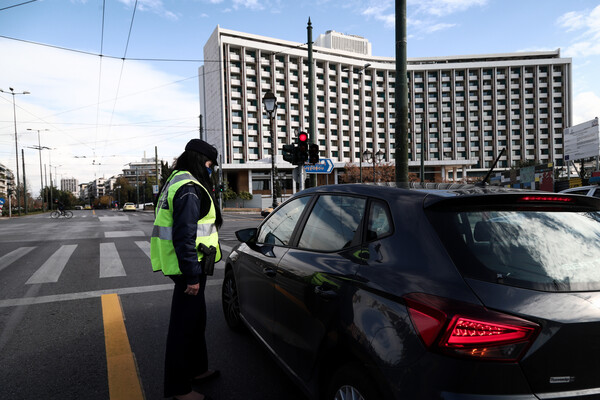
pixel 50 271
pixel 110 263
pixel 13 256
pixel 144 246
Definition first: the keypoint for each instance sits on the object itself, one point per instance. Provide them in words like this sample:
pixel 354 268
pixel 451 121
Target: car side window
pixel 333 223
pixel 380 222
pixel 278 229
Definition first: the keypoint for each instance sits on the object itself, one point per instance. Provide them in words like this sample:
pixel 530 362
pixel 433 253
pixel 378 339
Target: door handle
pixel 325 292
pixel 270 272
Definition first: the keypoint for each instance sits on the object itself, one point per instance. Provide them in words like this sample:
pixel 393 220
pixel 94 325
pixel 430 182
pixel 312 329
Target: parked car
pixel 591 190
pixel 87 207
pixel 79 207
pixel 266 211
pixel 129 207
pixel 373 292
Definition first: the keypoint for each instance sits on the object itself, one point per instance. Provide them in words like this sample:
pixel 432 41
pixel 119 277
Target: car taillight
pixel 468 330
pixel 553 199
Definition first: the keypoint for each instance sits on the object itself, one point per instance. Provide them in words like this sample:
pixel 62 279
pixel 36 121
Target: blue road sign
pixel 325 166
pixel 1 200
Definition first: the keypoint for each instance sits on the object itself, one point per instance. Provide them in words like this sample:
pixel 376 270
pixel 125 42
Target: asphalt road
pixel 67 287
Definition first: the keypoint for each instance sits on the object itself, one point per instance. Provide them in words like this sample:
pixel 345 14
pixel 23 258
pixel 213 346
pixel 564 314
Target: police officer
pixel 187 220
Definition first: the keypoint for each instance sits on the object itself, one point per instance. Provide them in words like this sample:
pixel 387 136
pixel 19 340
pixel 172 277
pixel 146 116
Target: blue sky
pixel 103 112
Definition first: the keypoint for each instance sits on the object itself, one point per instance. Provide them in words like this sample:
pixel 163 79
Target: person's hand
pixel 192 290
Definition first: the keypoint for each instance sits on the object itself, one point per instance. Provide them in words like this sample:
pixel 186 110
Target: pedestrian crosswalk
pixel 110 263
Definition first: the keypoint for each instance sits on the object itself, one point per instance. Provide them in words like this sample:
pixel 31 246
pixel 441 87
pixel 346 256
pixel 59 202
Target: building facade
pixel 69 185
pixel 463 110
pixel 7 181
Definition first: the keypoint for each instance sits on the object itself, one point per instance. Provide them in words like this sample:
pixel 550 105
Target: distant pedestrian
pixel 185 246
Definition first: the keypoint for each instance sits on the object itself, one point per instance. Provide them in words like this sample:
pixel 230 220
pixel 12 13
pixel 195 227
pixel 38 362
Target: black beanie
pixel 200 146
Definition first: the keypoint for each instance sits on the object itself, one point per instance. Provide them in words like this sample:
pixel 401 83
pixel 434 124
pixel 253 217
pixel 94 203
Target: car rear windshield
pixel 544 250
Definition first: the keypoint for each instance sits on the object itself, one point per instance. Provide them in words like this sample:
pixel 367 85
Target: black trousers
pixel 186 355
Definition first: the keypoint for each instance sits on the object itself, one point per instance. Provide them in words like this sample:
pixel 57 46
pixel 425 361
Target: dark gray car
pixel 375 292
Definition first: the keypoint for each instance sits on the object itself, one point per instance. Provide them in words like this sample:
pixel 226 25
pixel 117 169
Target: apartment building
pixel 463 110
pixel 139 171
pixel 69 185
pixel 7 180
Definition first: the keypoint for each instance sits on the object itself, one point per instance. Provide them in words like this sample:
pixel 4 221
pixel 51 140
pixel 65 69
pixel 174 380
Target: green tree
pixel 245 196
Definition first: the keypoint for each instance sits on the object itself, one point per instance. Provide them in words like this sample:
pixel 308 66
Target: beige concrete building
pixel 469 107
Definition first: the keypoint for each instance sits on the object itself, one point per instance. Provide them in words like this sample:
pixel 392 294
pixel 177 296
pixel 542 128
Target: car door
pixel 256 266
pixel 313 279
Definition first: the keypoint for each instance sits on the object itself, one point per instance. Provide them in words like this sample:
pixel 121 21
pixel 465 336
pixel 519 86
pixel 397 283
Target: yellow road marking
pixel 123 380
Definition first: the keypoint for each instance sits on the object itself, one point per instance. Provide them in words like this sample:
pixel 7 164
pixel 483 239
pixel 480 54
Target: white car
pixel 129 207
pixel 592 190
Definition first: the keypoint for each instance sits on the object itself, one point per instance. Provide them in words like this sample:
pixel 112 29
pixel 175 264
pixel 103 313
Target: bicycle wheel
pixel 68 214
pixel 54 214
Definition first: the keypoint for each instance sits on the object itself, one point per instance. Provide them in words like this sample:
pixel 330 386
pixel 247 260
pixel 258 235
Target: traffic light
pixel 313 153
pixel 288 152
pixel 302 148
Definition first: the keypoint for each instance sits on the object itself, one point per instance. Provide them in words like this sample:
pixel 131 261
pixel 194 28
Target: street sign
pixel 582 141
pixel 325 166
pixel 1 200
pixel 154 189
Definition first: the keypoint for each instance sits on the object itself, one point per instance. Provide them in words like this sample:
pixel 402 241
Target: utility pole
pixel 156 168
pixel 312 130
pixel 401 96
pixel 200 127
pixel 24 182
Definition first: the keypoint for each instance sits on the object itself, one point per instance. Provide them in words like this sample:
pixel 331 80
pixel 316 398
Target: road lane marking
pixel 50 271
pixel 13 256
pixel 120 234
pixel 110 262
pixel 25 301
pixel 119 218
pixel 145 247
pixel 123 379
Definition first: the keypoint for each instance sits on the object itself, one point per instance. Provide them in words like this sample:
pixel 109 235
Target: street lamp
pixel 270 103
pixel 12 91
pixel 359 71
pixel 40 148
pixel 374 158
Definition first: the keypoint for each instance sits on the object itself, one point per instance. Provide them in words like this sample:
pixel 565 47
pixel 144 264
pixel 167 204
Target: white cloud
pixel 249 4
pixel 441 8
pixel 427 12
pixel 586 107
pixel 588 23
pixel 438 27
pixel 86 128
pixel 154 6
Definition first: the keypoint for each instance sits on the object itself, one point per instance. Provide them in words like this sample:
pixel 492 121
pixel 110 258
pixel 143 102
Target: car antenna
pixel 484 182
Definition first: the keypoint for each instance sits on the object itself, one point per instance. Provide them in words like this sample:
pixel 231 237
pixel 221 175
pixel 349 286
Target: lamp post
pixel 359 71
pixel 270 103
pixel 12 91
pixel 40 148
pixel 375 158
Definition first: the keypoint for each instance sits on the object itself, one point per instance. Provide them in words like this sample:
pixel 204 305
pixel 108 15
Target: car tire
pixel 351 383
pixel 230 302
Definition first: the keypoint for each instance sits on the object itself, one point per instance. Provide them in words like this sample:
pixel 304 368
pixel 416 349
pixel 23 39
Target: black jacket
pixel 190 204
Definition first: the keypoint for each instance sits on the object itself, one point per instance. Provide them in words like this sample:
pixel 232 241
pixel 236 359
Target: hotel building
pixel 465 108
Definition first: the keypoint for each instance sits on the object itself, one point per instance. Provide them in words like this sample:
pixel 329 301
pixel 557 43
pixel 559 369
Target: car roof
pixel 431 194
pixel 578 188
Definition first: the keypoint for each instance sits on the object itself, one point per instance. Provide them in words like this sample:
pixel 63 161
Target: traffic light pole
pixel 312 132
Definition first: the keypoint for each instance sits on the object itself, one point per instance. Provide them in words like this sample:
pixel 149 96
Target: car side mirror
pixel 247 235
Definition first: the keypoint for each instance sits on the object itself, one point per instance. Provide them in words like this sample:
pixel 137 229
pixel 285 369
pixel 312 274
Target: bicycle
pixel 57 214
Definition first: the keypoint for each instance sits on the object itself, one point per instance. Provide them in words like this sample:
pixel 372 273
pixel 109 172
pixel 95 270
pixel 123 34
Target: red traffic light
pixel 302 137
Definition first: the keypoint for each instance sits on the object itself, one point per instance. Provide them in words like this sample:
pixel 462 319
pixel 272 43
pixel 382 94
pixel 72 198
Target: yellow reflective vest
pixel 162 251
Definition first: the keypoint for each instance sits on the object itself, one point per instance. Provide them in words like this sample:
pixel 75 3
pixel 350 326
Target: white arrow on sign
pixel 325 166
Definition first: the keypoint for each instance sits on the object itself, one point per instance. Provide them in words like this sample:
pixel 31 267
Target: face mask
pixel 209 170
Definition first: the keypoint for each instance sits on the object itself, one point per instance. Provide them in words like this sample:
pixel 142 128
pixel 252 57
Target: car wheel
pixel 350 383
pixel 230 302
